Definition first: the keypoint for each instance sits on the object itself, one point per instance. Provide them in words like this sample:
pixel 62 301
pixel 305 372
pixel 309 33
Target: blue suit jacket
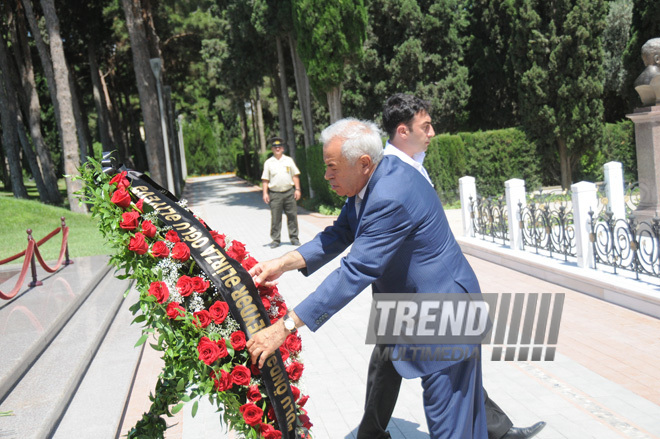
pixel 402 243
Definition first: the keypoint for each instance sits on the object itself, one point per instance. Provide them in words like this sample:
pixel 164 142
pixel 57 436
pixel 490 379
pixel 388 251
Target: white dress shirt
pixel 416 161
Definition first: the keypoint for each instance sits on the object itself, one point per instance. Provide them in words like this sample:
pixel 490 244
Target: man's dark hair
pixel 402 108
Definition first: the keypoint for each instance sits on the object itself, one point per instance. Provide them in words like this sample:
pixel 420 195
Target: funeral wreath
pixel 192 285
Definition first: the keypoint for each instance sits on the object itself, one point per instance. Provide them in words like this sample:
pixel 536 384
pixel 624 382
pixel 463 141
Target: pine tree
pixel 558 50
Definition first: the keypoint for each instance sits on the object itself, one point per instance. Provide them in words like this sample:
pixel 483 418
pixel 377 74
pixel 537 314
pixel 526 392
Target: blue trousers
pixel 454 402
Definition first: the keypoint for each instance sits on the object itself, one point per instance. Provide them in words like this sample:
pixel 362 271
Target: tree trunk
pixel 245 133
pixel 117 136
pixel 284 90
pixel 565 164
pixel 31 158
pixel 33 111
pixel 8 112
pixel 260 123
pixel 305 101
pixel 304 94
pixel 146 83
pixel 67 119
pixel 334 103
pixel 84 137
pixel 281 114
pixel 105 133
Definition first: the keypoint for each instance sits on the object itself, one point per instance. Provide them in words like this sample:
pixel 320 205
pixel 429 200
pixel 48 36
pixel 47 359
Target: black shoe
pixel 274 244
pixel 295 242
pixel 524 433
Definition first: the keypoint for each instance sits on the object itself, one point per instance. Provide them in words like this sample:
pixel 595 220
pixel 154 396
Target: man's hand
pixel 266 198
pixel 296 194
pixel 266 273
pixel 265 342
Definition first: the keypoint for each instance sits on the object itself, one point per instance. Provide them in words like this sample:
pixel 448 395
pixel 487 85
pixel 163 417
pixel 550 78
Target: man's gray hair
pixel 360 137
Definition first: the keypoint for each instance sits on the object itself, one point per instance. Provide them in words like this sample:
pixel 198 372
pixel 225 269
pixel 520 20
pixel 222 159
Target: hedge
pixel 492 157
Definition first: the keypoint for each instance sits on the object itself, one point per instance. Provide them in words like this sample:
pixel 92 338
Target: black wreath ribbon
pixel 230 278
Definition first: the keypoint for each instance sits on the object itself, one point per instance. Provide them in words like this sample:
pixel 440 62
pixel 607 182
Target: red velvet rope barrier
pixel 32 250
pixel 26 263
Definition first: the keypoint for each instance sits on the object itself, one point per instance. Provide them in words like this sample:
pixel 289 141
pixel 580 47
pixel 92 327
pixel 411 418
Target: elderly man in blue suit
pixel 402 243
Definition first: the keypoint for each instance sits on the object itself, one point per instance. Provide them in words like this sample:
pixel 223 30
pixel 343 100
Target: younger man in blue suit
pixel 401 243
pixel 407 122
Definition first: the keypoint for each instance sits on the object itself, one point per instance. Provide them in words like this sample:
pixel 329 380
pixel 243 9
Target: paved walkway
pixel 604 382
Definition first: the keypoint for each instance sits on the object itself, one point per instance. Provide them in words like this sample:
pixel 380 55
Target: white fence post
pixel 467 188
pixel 614 187
pixel 584 199
pixel 515 193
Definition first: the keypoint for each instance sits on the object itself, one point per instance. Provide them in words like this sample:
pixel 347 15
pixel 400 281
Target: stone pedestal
pixel 647 141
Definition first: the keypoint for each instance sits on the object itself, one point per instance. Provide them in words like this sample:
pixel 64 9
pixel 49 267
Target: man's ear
pixel 402 130
pixel 365 162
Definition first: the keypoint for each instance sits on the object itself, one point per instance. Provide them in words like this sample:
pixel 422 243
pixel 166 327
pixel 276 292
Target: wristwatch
pixel 289 324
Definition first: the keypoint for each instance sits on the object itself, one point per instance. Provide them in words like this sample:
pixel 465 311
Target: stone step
pixel 30 321
pixel 39 400
pixel 103 392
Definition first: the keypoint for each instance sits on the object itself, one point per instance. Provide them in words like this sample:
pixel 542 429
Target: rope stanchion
pixel 31 252
pixel 35 282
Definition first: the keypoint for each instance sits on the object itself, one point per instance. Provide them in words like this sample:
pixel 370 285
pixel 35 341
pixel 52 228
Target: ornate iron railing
pixel 489 218
pixel 549 227
pixel 632 197
pixel 626 244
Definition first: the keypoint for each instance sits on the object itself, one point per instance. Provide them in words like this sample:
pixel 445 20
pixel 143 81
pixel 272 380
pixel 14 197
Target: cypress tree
pixel 559 52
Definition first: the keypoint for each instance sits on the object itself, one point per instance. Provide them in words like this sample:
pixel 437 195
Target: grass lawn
pixel 84 237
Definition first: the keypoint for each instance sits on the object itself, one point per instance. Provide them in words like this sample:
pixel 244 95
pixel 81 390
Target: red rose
pixel 253 393
pixel 200 285
pixel 266 303
pixel 137 244
pixel 172 236
pixel 255 370
pixel 149 229
pixel 120 180
pixel 160 291
pixel 302 401
pixel 267 291
pixel 219 238
pixel 181 252
pixel 185 285
pixel 282 310
pixel 240 375
pixel 208 350
pixel 222 345
pixel 269 432
pixel 271 412
pixel 284 353
pixel 160 250
pixel 121 197
pixel 296 393
pixel 219 312
pixel 139 204
pixel 129 220
pixel 203 318
pixel 295 370
pixel 237 340
pixel 293 343
pixel 305 421
pixel 174 310
pixel 251 413
pixel 248 263
pixel 224 382
pixel 237 251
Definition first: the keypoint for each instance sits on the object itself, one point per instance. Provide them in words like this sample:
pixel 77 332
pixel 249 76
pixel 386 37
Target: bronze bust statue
pixel 647 83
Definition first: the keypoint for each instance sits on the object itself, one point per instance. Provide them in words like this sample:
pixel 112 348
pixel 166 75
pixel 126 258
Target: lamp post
pixel 155 68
